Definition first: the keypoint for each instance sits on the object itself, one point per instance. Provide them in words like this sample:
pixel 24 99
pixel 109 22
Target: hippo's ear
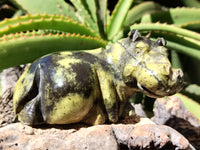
pixel 161 42
pixel 134 35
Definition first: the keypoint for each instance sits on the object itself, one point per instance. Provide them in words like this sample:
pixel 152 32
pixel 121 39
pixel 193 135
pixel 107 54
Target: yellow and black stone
pixel 93 86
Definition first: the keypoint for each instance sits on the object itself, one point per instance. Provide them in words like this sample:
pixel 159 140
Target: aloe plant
pixel 37 27
pixel 39 31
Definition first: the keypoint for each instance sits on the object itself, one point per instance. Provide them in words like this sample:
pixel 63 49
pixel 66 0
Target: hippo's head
pixel 148 67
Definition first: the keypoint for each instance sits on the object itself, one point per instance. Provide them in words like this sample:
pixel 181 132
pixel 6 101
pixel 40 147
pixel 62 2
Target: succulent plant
pixel 57 25
pixel 36 28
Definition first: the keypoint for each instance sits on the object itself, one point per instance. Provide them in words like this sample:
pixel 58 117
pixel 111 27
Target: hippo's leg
pixel 96 115
pixel 31 113
pixel 109 94
pixel 129 110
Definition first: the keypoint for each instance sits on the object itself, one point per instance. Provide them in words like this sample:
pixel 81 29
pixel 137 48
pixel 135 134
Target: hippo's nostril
pixel 179 75
pixel 168 90
pixel 166 70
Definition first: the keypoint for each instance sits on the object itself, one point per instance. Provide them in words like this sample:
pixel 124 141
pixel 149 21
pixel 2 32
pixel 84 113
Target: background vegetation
pixel 36 28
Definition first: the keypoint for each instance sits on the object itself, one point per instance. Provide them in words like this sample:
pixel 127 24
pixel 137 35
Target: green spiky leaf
pixel 83 10
pixel 176 16
pixel 190 104
pixel 47 6
pixel 195 25
pixel 192 3
pixel 117 18
pixel 36 22
pixel 26 47
pixel 101 12
pixel 138 11
pixel 166 28
pixel 92 9
pixel 193 91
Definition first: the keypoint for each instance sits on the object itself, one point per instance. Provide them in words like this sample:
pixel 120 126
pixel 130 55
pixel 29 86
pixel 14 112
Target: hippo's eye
pixel 138 51
pixel 160 42
pixel 141 47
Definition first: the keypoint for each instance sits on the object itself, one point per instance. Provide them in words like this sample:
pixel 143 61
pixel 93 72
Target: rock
pixel 173 106
pixel 9 77
pixel 153 136
pixel 173 113
pixel 144 135
pixel 139 110
pixel 93 138
pixel 6 108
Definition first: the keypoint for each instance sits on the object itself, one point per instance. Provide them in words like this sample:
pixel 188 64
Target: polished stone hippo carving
pixel 94 86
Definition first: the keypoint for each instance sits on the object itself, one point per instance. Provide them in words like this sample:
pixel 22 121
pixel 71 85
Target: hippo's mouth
pixel 147 92
pixel 167 91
